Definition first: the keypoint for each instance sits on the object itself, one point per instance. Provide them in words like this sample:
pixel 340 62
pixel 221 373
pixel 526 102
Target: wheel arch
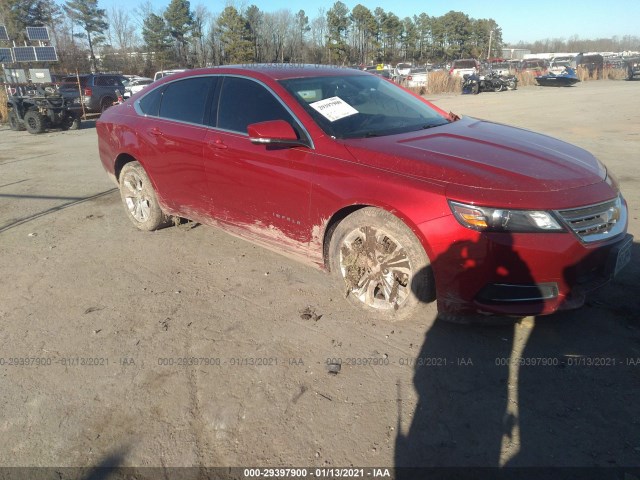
pixel 121 160
pixel 344 212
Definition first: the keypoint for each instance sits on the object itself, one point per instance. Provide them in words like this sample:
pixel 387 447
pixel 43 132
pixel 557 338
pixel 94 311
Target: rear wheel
pixel 139 198
pixel 34 122
pixel 475 88
pixel 70 122
pixel 512 85
pixel 380 264
pixel 106 103
pixel 14 122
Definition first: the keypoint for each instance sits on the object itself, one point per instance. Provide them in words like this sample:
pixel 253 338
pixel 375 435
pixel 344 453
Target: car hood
pixel 481 154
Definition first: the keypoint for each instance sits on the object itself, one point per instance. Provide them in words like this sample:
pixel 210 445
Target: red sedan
pixel 400 201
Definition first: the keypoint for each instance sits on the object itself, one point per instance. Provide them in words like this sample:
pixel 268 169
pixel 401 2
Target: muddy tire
pixel 139 198
pixel 14 123
pixel 34 122
pixel 380 265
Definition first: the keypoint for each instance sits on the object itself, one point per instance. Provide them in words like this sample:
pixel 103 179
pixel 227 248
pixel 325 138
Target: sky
pixel 526 21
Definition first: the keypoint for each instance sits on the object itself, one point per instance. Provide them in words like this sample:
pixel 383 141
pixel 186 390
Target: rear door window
pixel 184 100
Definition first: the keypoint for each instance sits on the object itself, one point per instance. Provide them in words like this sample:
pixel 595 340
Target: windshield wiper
pixel 428 126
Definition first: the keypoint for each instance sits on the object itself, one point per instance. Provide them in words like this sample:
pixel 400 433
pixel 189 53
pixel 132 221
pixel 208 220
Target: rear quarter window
pixel 150 103
pixel 72 82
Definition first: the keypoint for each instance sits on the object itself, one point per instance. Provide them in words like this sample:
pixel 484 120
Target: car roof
pixel 278 71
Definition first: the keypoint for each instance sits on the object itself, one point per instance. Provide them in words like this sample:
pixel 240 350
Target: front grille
pixel 597 222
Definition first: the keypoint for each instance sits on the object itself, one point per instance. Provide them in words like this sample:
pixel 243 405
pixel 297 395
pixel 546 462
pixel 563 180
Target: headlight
pixel 504 220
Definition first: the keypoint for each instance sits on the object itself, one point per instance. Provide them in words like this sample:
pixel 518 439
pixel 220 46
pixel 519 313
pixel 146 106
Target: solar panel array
pixel 24 54
pixel 3 33
pixel 46 54
pixel 5 55
pixel 38 33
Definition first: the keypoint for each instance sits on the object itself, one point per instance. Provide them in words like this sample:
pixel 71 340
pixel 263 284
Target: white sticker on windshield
pixel 333 108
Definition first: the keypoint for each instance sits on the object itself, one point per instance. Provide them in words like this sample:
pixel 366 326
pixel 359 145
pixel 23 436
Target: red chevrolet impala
pixel 400 201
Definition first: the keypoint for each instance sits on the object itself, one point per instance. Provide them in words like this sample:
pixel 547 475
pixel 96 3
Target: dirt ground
pixel 189 347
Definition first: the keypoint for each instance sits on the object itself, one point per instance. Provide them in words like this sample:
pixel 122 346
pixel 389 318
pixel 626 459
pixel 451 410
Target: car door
pixel 172 131
pixel 261 187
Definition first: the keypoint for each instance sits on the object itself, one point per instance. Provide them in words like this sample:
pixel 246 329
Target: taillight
pixel 451 72
pixel 87 92
pixel 409 77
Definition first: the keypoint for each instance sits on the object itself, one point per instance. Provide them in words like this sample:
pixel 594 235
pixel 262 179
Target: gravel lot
pixel 189 347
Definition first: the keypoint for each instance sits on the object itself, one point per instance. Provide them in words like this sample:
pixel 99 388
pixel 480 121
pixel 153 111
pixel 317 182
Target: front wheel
pixel 139 198
pixel 34 122
pixel 475 88
pixel 380 264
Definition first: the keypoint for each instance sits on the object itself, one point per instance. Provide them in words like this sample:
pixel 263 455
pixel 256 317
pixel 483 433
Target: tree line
pixel 143 40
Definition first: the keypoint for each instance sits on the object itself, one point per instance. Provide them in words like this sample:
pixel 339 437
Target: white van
pixel 164 73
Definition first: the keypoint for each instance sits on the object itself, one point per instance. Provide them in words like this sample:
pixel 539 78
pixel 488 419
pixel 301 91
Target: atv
pixel 39 109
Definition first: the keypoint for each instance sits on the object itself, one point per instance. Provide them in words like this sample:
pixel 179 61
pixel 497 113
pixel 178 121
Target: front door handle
pixel 155 131
pixel 218 144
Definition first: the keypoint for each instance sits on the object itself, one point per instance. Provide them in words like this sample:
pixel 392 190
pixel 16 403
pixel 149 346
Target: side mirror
pixel 274 132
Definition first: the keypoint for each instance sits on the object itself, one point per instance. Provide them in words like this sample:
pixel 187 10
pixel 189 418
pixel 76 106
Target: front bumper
pixel 517 274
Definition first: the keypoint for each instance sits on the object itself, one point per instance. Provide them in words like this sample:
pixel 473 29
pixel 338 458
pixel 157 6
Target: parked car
pixel 135 85
pixel 395 197
pixel 535 66
pixel 501 68
pixel 383 72
pixel 467 66
pixel 416 78
pixel 592 63
pixel 98 91
pixel 164 73
pixel 557 65
pixel 633 67
pixel 401 71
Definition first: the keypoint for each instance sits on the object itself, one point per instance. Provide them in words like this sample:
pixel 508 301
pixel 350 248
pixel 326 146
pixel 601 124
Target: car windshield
pixel 359 106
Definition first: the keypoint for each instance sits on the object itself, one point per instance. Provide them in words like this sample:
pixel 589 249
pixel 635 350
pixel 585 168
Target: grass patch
pixel 4 111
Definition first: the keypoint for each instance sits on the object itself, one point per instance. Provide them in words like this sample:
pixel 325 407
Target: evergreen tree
pixel 338 22
pixel 17 15
pixel 87 15
pixel 180 22
pixel 155 34
pixel 235 36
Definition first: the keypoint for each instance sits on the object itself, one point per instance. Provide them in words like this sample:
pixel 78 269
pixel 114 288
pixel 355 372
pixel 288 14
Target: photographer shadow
pixel 466 414
pixel 496 401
